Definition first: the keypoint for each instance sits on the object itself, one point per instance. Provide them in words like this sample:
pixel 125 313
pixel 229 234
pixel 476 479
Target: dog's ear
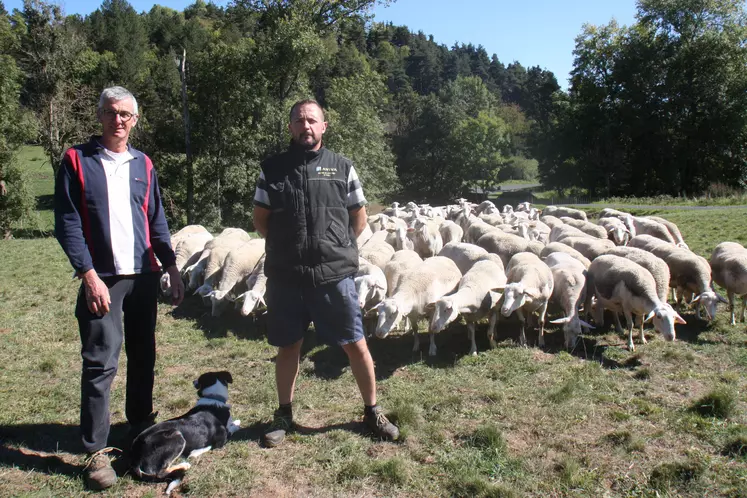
pixel 224 377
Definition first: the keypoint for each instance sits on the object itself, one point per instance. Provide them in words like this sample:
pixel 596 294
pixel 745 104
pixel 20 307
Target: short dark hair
pixel 302 103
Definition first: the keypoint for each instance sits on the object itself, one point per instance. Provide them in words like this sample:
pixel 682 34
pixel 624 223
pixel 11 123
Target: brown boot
pixel 98 472
pixel 380 425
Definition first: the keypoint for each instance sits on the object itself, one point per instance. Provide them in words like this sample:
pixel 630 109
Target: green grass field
pixel 667 421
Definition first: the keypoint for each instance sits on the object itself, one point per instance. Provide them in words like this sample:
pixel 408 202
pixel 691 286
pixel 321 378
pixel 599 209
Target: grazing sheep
pixel 588 246
pixel 647 226
pixel 529 285
pixel 655 265
pixel 617 231
pixel 689 273
pixel 586 227
pixel 673 229
pixel 377 252
pixel 450 232
pixel 371 286
pixel 554 247
pixel 729 265
pixel 401 262
pixel 621 285
pixel 474 300
pixel 425 283
pixel 558 233
pixel 486 206
pixel 626 218
pixel 477 230
pixel 506 245
pixel 426 237
pixel 551 221
pixel 210 265
pixel 239 264
pixel 569 291
pixel 186 232
pixel 463 254
pixel 257 285
pixel 564 211
pixel 187 252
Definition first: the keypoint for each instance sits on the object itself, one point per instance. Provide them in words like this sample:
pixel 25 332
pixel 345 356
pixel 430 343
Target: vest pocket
pixel 338 235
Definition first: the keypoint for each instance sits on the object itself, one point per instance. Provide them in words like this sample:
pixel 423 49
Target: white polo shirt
pixel 117 169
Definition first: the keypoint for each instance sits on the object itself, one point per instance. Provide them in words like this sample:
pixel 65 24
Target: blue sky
pixel 533 32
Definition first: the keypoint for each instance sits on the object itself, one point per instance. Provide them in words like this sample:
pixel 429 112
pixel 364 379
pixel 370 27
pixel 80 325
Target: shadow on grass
pixel 45 202
pixel 250 327
pixel 255 431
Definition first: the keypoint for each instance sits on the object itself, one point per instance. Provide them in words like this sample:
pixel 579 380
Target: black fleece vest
pixel 309 237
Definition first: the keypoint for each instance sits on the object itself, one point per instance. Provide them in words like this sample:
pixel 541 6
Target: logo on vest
pixel 326 171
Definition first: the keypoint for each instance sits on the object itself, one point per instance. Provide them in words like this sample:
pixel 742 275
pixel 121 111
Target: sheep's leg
pixel 492 321
pixel 416 337
pixel 618 326
pixel 629 318
pixel 522 321
pixel 744 302
pixel 730 295
pixel 473 344
pixel 674 295
pixel 643 337
pixel 432 348
pixel 541 319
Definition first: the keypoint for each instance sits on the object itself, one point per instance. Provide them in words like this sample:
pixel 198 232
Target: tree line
pixel 657 107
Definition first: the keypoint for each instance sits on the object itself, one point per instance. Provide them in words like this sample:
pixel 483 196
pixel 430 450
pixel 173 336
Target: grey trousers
pixel 136 299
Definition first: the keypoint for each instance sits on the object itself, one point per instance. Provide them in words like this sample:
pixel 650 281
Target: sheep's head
pixel 218 301
pixel 250 301
pixel 515 295
pixel 369 290
pixel 709 300
pixel 442 312
pixel 665 319
pixel 166 284
pixel 620 235
pixel 389 317
pixel 571 329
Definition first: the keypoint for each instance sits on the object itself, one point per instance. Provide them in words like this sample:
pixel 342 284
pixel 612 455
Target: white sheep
pixel 569 291
pixel 370 284
pixel 476 230
pixel 474 300
pixel 673 229
pixel 217 250
pixel 187 251
pixel 586 226
pixel 564 211
pixel 195 273
pixel 426 237
pixel 401 263
pixel 689 273
pixel 423 284
pixel 366 234
pixel 729 265
pixel 558 233
pixel 377 252
pixel 450 232
pixel 647 226
pixel 239 264
pixel 551 221
pixel 617 231
pixel 257 285
pixel 529 285
pixel 506 245
pixel 589 246
pixel 623 286
pixel 554 247
pixel 463 254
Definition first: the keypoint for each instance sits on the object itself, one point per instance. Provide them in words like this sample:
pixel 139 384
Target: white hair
pixel 117 93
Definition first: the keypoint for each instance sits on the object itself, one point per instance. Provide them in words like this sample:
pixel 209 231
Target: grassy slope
pixel 510 422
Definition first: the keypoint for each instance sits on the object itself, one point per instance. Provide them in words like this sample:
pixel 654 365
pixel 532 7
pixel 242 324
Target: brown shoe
pixel 380 425
pixel 281 425
pixel 98 472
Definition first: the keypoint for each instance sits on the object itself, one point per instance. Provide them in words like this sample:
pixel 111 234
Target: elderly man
pixel 110 222
pixel 310 207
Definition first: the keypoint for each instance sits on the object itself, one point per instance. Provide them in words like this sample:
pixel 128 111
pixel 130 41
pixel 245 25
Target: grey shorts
pixel 332 307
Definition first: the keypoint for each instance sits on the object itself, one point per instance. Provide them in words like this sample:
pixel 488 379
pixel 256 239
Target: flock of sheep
pixel 476 261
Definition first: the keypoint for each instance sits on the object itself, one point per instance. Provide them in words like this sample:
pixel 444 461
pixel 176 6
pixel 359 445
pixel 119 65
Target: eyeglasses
pixel 123 115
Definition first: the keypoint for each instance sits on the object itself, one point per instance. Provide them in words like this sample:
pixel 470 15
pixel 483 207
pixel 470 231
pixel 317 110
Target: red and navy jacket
pixel 81 208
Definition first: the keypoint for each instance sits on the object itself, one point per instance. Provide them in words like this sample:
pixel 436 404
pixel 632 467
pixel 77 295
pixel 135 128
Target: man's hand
pixel 97 293
pixel 177 286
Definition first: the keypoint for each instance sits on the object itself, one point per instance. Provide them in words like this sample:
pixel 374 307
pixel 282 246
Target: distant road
pixel 517 186
pixel 648 206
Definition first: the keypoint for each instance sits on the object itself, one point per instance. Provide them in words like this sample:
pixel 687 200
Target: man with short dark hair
pixel 110 222
pixel 310 207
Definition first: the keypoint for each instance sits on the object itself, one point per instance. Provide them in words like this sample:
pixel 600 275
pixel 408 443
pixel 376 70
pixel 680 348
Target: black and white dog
pixel 208 425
